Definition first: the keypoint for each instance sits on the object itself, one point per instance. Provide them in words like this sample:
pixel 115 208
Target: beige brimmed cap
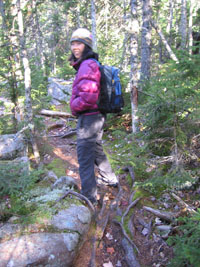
pixel 82 35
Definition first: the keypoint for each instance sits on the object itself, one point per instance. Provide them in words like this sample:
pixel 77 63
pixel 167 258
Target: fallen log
pixel 167 216
pixel 53 113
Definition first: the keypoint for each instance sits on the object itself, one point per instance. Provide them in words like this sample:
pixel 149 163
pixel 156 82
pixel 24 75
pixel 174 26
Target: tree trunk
pixel 146 41
pixel 93 18
pixel 78 16
pixel 27 81
pixel 39 40
pixel 126 37
pixel 170 21
pixel 190 24
pixel 158 30
pixel 134 32
pixel 183 24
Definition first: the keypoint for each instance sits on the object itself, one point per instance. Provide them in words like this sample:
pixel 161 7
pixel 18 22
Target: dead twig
pixel 69 134
pixel 78 195
pixel 185 205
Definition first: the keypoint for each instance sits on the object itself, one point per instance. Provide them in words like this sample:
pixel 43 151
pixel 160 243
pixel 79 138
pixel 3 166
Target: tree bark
pixel 134 33
pixel 39 40
pixel 183 24
pixel 146 41
pixel 93 18
pixel 190 25
pixel 170 21
pixel 27 81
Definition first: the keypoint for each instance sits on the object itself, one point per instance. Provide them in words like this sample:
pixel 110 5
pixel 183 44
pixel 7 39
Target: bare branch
pixel 167 216
pixel 185 205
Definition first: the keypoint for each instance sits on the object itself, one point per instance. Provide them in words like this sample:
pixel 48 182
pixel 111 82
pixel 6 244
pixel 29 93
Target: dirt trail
pixel 108 252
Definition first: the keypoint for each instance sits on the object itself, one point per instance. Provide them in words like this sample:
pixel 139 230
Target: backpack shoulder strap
pixel 99 64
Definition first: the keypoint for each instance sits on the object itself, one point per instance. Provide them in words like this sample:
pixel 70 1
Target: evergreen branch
pixel 140 91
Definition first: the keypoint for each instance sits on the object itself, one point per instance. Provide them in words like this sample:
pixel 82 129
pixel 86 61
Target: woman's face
pixel 77 49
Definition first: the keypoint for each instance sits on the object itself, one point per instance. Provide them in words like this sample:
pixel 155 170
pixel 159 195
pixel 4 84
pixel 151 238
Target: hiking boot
pixel 101 181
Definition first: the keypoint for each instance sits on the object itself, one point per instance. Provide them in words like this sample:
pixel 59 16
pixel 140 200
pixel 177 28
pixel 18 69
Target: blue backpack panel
pixel 110 98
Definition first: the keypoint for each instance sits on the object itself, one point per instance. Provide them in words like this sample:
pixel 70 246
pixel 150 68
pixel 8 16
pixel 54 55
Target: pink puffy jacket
pixel 86 87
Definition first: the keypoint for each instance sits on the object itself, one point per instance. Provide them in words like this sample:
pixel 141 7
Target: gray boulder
pixel 75 218
pixel 28 246
pixel 59 90
pixel 65 181
pixel 40 249
pixel 12 146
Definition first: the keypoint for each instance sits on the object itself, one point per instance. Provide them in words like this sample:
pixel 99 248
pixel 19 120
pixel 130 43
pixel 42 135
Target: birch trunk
pixel 183 24
pixel 190 24
pixel 27 81
pixel 163 39
pixel 93 18
pixel 170 21
pixel 39 40
pixel 134 33
pixel 78 16
pixel 126 37
pixel 146 40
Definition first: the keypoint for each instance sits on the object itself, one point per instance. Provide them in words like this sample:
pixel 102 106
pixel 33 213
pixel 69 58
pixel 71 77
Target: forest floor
pixel 103 245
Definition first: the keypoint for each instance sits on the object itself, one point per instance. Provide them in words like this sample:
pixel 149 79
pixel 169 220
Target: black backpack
pixel 110 98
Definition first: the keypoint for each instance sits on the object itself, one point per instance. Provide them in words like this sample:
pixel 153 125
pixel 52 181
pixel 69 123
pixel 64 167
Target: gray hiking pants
pixel 90 153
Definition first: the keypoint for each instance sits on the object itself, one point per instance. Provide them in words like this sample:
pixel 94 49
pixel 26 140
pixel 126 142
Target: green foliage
pixel 58 166
pixel 65 71
pixel 187 244
pixel 6 125
pixel 162 179
pixel 169 119
pixel 15 178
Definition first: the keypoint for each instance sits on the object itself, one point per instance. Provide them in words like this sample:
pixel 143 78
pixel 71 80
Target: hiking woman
pixel 83 104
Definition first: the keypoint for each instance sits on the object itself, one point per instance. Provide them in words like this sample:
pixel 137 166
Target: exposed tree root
pixel 78 195
pixel 129 254
pixel 125 235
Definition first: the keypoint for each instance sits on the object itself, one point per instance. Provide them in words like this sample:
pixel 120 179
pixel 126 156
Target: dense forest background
pixel 156 45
